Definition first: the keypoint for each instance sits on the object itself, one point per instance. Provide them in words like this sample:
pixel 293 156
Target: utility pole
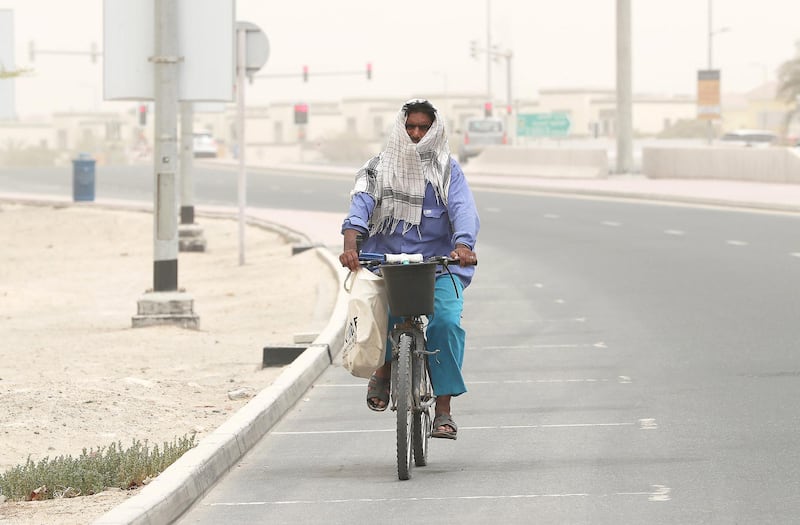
pixel 165 304
pixel 489 49
pixel 710 123
pixel 241 70
pixel 165 276
pixel 624 89
pixel 190 235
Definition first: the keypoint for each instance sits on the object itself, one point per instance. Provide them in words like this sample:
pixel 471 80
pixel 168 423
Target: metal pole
pixel 187 160
pixel 165 266
pixel 489 51
pixel 710 37
pixel 241 65
pixel 709 122
pixel 511 136
pixel 624 89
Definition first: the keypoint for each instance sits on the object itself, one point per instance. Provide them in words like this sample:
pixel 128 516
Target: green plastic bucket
pixel 409 288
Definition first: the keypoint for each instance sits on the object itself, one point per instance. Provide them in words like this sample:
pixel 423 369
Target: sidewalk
pixel 176 489
pixel 738 194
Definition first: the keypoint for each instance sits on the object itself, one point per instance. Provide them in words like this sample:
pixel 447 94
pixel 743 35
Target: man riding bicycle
pixel 413 198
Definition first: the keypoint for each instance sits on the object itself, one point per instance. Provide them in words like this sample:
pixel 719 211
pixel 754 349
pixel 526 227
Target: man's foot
pixel 378 393
pixel 444 427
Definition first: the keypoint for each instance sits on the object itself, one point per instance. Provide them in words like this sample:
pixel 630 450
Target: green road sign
pixel 543 125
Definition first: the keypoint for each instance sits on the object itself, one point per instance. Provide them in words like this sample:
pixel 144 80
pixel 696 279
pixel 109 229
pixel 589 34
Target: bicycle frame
pixel 412 397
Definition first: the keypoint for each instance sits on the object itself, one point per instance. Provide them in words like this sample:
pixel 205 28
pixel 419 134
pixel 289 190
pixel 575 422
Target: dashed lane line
pixel 642 424
pixel 599 344
pixel 658 493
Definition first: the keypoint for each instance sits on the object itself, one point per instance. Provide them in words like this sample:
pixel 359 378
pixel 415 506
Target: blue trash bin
pixel 83 178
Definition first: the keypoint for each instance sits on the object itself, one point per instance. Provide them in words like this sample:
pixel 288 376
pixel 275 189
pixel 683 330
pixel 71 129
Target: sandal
pixel 444 420
pixel 378 388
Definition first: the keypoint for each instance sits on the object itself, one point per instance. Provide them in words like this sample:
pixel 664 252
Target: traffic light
pixel 143 114
pixel 369 70
pixel 305 73
pixel 301 113
pixel 487 109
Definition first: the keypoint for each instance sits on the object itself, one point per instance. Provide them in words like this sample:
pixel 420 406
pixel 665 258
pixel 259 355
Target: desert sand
pixel 74 374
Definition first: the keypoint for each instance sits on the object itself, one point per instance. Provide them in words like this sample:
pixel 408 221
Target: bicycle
pixel 409 286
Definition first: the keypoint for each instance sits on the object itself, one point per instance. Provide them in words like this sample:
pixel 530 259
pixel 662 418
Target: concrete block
pixel 171 308
pixel 280 355
pixel 190 238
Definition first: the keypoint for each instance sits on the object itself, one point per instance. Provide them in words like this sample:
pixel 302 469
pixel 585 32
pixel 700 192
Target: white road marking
pixel 674 232
pixel 551 216
pixel 493 210
pixel 495 322
pixel 611 223
pixel 534 381
pixel 795 254
pixel 493 427
pixel 542 347
pixel 560 301
pixel 620 379
pixel 736 243
pixel 648 424
pixel 659 493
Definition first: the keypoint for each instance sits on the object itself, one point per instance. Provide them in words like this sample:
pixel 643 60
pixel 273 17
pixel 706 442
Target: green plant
pixel 93 471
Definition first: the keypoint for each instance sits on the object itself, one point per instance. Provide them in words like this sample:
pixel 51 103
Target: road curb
pixel 174 491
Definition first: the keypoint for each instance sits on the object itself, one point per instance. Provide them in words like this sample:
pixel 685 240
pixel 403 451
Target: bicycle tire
pixel 422 424
pixel 405 405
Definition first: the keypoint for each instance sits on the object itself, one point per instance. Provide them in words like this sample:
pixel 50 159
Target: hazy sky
pixel 422 47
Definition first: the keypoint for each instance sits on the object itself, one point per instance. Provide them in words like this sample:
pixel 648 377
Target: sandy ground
pixel 74 374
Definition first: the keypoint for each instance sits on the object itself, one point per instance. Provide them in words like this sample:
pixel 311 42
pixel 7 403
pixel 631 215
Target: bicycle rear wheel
pixel 422 425
pixel 401 382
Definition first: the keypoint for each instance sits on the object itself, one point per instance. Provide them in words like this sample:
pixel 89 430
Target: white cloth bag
pixel 367 321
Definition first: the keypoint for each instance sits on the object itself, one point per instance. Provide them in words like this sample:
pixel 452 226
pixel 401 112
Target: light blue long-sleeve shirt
pixel 440 228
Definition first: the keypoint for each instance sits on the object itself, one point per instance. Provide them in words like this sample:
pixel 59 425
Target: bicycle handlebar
pixel 371 260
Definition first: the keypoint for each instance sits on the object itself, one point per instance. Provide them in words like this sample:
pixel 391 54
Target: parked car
pixel 479 133
pixel 204 145
pixel 750 137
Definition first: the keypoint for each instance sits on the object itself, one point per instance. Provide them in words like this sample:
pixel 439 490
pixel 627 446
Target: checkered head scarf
pixel 402 171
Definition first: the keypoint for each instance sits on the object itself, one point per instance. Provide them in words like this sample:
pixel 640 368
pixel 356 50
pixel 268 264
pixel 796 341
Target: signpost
pixel 543 125
pixel 708 94
pixel 252 52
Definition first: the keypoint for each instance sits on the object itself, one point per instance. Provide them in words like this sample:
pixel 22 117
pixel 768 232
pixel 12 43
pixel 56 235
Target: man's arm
pixel 463 218
pixel 349 256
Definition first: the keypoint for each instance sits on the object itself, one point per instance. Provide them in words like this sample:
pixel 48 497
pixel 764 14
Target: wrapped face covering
pixel 404 168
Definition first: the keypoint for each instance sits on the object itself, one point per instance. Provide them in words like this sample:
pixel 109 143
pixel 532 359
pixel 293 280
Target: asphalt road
pixel 212 186
pixel 626 363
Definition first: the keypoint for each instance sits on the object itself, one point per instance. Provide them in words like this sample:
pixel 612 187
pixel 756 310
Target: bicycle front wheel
pixel 423 406
pixel 401 382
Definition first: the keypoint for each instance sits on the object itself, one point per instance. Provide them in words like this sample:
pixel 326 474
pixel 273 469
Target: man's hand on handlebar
pixel 349 259
pixel 465 256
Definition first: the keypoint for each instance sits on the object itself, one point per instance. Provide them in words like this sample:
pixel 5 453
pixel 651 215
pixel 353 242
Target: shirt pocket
pixel 436 222
pixel 434 213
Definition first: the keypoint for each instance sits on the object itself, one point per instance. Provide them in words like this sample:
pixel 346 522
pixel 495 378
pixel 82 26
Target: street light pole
pixel 489 51
pixel 710 36
pixel 624 88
